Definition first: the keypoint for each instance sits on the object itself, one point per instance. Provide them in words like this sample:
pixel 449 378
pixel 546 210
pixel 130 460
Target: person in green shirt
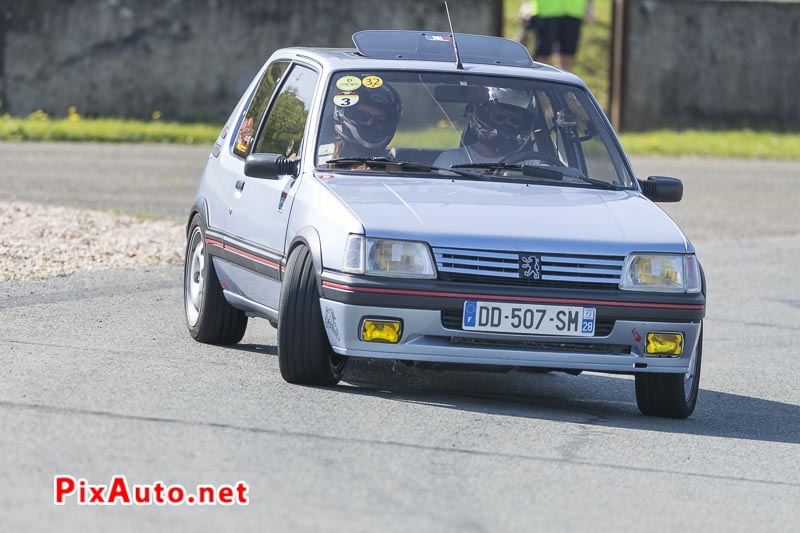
pixel 557 25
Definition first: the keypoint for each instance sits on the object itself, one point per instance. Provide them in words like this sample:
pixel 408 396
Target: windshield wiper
pixel 600 183
pixel 407 165
pixel 540 171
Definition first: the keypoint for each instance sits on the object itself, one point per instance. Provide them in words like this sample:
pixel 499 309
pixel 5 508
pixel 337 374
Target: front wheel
pixel 304 354
pixel 209 317
pixel 671 395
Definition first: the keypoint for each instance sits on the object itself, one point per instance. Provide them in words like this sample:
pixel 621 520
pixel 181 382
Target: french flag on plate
pixel 445 38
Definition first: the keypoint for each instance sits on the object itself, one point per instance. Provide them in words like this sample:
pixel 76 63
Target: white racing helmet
pixel 505 122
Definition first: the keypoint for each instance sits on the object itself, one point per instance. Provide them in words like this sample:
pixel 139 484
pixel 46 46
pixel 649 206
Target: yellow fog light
pixel 661 344
pixel 374 330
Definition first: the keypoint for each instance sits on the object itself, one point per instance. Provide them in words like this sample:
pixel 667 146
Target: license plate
pixel 535 319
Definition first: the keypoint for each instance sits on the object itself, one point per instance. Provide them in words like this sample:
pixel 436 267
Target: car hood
pixel 508 216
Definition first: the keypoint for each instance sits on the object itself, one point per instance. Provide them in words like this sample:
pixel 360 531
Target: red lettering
pixel 97 493
pixel 119 490
pixel 175 494
pixel 64 486
pixel 225 495
pixel 241 492
pixel 141 493
pixel 205 494
pixel 158 491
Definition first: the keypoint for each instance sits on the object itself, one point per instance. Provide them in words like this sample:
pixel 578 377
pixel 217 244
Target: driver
pixel 496 129
pixel 365 128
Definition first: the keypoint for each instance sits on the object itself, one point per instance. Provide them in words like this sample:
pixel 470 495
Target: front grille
pixel 558 270
pixel 454 320
pixel 566 347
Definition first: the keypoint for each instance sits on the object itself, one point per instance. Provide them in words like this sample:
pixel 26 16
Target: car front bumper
pixel 428 336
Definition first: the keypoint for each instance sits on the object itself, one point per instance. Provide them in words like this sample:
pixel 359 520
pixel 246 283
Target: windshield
pixel 492 126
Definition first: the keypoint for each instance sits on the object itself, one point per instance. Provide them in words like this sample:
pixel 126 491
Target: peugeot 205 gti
pixel 441 199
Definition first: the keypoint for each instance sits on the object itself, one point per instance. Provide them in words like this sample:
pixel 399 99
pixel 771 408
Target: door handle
pixel 239 185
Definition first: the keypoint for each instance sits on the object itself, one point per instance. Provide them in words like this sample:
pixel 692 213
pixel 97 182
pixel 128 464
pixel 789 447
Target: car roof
pixel 337 59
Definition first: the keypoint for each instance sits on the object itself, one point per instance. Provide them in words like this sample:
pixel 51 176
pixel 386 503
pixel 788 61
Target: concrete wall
pixel 710 64
pixel 188 59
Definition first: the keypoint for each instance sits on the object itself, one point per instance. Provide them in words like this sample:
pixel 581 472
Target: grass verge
pixel 106 130
pixel 740 143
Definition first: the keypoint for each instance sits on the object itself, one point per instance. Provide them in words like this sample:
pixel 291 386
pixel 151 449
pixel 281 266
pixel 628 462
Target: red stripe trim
pixel 243 253
pixel 349 288
pixel 251 256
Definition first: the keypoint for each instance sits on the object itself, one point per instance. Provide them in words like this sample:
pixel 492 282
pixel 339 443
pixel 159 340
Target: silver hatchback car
pixel 444 200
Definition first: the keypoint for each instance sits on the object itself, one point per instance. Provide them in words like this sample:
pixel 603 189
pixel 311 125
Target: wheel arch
pixel 200 207
pixel 308 236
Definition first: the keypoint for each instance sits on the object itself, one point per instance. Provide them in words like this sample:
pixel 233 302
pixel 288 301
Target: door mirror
pixel 662 189
pixel 270 166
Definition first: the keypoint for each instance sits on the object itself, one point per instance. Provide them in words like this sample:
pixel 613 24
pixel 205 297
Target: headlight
pixel 661 273
pixel 385 257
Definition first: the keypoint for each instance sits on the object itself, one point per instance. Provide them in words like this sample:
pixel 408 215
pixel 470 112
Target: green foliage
pixel 739 143
pixel 106 130
pixel 285 126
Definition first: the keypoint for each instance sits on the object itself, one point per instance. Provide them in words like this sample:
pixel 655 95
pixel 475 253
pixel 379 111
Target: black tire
pixel 209 317
pixel 304 354
pixel 670 395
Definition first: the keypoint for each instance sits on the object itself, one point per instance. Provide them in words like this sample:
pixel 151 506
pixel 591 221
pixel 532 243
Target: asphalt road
pixel 98 377
pixel 160 181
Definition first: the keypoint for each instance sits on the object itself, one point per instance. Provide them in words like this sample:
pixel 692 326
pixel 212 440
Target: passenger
pixel 496 129
pixel 365 128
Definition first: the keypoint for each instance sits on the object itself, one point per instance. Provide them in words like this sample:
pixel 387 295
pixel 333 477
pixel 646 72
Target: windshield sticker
pixel 345 99
pixel 324 153
pixel 372 82
pixel 348 83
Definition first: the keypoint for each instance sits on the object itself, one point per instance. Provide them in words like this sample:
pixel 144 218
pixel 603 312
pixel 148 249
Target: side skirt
pixel 250 307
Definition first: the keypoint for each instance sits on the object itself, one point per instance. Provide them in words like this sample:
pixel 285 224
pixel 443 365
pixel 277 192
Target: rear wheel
pixel 209 317
pixel 671 395
pixel 304 354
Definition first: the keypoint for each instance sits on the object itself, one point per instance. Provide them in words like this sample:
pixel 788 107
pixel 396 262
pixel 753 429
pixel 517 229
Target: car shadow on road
pixel 264 349
pixel 594 399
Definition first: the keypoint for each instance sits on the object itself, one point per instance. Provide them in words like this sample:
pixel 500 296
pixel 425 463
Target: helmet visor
pixel 372 123
pixel 506 118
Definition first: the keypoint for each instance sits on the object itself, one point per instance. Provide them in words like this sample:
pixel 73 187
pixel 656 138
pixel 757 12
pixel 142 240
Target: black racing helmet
pixel 505 123
pixel 357 123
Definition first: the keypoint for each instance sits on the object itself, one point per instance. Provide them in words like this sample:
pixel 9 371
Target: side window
pixel 286 122
pixel 255 110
